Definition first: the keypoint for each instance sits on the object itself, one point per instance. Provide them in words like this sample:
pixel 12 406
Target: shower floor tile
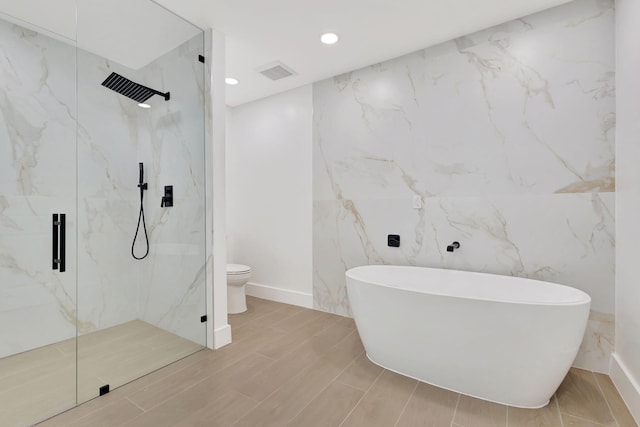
pixel 39 382
pixel 289 366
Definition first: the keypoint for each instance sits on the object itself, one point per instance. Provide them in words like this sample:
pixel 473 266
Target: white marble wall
pixel 38 160
pixel 172 281
pixel 108 138
pixel 166 288
pixel 37 137
pixel 505 135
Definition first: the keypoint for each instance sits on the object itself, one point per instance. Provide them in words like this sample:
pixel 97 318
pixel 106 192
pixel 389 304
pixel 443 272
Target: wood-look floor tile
pixel 361 373
pixel 256 308
pixel 350 346
pixel 157 393
pixel 329 408
pixel 429 406
pixel 549 416
pixel 285 403
pixel 222 412
pixel 300 319
pixel 278 347
pixel 91 406
pixel 579 395
pixel 472 412
pixel 277 373
pixel 383 403
pixel 618 407
pixel 308 377
pixel 112 415
pixel 180 406
pixel 571 421
pixel 275 316
pixel 14 365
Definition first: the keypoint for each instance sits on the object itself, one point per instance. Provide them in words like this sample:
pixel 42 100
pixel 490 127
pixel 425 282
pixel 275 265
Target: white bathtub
pixel 504 339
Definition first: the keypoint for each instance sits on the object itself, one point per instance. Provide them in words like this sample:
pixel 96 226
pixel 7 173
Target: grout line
pixel 407 403
pixel 327 386
pixel 363 396
pixel 134 404
pixel 298 374
pixel 456 409
pixel 555 397
pixel 506 421
pixel 613 415
pixel 583 419
pixel 203 378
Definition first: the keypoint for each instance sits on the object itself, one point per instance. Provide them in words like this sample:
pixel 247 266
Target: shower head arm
pixel 166 96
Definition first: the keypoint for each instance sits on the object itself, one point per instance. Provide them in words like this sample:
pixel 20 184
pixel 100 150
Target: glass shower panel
pixel 37 212
pixel 138 312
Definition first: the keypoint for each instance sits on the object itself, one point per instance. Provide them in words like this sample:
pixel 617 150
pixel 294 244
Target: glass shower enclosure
pixel 101 140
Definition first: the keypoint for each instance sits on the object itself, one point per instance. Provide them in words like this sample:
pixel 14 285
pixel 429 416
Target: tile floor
pixel 37 383
pixel 289 366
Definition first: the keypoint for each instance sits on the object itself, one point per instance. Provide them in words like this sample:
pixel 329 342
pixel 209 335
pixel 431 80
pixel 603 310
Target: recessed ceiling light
pixel 231 81
pixel 141 105
pixel 329 38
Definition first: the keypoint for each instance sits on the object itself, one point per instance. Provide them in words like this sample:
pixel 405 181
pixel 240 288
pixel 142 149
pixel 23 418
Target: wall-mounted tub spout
pixel 451 247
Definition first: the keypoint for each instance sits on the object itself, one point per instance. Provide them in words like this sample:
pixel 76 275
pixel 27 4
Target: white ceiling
pixel 131 33
pixel 259 32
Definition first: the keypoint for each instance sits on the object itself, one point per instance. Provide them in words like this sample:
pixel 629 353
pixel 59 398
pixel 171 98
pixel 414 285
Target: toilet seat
pixel 236 269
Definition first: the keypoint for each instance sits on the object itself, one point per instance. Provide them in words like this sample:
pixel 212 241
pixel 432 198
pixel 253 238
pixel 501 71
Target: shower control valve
pixel 167 199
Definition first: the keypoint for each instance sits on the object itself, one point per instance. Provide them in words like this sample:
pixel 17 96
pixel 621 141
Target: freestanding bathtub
pixel 504 339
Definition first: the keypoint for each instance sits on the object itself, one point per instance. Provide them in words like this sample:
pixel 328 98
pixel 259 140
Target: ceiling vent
pixel 276 71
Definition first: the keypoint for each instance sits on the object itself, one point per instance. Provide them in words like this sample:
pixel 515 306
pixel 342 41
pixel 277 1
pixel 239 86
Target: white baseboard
pixel 279 295
pixel 221 337
pixel 627 385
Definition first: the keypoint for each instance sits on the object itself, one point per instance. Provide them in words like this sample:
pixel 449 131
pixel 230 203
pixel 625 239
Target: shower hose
pixel 144 225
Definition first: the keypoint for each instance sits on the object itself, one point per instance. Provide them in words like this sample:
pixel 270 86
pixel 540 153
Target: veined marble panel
pixel 528 112
pixel 566 239
pixel 507 138
pixel 37 176
pixel 108 137
pixel 598 343
pixel 172 282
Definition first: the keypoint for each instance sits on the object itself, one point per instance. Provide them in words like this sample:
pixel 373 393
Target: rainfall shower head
pixel 130 89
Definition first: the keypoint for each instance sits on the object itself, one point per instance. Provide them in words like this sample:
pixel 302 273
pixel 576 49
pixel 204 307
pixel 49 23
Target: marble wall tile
pixel 108 137
pixel 506 136
pixel 37 137
pixel 598 344
pixel 47 135
pixel 172 286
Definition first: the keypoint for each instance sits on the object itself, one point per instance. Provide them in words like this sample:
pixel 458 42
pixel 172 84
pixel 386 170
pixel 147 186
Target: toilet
pixel 237 277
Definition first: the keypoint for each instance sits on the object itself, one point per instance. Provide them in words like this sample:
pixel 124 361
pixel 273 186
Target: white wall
pixel 269 194
pixel 625 366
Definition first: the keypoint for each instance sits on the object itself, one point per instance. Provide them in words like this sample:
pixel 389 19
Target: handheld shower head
pixel 141 184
